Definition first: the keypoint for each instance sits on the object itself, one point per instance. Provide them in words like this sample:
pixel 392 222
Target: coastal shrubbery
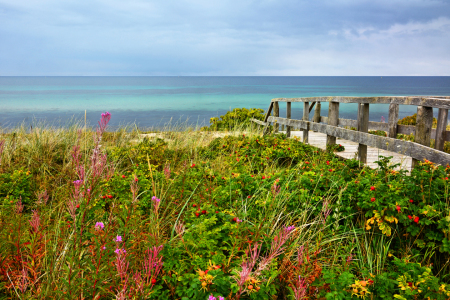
pixel 111 215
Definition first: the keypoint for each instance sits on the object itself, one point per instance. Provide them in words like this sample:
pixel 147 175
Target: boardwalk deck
pixel 319 140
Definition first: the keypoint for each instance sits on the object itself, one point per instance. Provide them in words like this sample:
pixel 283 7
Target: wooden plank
pixel 288 116
pixel 393 120
pixel 440 129
pixel 428 101
pixel 305 118
pixel 407 148
pixel 424 122
pixel 266 129
pixel 363 126
pixel 333 119
pixel 406 129
pixel 258 122
pixel 312 106
pixel 268 112
pixel 354 123
pixel 316 117
pixel 276 113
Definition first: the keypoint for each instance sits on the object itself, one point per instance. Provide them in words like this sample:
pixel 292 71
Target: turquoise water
pixel 153 101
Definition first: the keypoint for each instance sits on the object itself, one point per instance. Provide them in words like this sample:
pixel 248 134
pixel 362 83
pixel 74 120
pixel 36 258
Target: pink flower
pixel 99 226
pixel 118 239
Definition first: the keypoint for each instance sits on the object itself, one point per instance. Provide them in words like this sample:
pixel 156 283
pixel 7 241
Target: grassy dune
pixel 189 214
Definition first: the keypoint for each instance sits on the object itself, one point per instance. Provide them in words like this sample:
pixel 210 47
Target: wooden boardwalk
pixel 319 140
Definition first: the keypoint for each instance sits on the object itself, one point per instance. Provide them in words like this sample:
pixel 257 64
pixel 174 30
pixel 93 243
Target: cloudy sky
pixel 224 37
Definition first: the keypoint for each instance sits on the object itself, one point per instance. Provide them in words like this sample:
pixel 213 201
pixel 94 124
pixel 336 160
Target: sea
pixel 150 103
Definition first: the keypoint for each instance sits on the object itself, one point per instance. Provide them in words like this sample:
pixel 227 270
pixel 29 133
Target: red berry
pixel 193 165
pixel 249 197
pixel 123 176
pixel 289 148
pixel 372 188
pixel 264 177
pixel 398 208
pixel 373 199
pixel 234 219
pixel 197 214
pixel 217 212
pixel 136 179
pixel 331 170
pixel 78 205
pixel 203 211
pixel 153 281
pixel 409 217
pixel 416 219
pixel 411 200
pixel 110 196
pixel 194 205
pixel 328 162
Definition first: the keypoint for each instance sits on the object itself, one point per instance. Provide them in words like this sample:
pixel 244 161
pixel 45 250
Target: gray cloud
pixel 137 37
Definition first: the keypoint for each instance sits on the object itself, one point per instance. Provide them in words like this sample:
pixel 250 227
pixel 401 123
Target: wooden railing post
pixel 440 129
pixel 288 116
pixel 393 120
pixel 306 118
pixel 316 117
pixel 363 126
pixel 333 119
pixel 424 122
pixel 276 113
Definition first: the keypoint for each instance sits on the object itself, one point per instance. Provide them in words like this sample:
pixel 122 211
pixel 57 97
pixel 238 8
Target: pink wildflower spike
pixel 300 288
pixel 42 198
pixel 152 265
pixel 2 145
pixel 35 221
pixel 118 239
pixel 19 206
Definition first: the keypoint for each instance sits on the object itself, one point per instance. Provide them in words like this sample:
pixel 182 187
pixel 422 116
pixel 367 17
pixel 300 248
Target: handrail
pixel 418 150
pixel 429 101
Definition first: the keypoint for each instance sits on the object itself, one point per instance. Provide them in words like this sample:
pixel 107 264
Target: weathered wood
pixel 311 107
pixel 363 126
pixel 276 113
pixel 354 123
pixel 424 122
pixel 393 119
pixel 429 101
pixel 440 129
pixel 266 129
pixel 258 122
pixel 394 145
pixel 316 117
pixel 288 116
pixel 268 112
pixel 333 119
pixel 305 118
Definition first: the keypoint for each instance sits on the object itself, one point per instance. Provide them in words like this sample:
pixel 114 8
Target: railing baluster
pixel 288 116
pixel 333 119
pixel 363 126
pixel 316 117
pixel 424 122
pixel 440 129
pixel 306 118
pixel 276 113
pixel 393 120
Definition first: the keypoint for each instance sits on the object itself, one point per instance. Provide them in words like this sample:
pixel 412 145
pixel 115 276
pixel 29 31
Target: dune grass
pixel 184 213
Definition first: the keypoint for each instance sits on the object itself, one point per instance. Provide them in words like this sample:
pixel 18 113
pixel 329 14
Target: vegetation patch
pixel 104 216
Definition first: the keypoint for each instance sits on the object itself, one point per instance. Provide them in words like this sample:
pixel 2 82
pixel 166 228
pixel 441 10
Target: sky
pixel 224 38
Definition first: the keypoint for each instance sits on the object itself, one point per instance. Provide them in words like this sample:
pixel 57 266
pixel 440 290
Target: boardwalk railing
pixel 418 150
